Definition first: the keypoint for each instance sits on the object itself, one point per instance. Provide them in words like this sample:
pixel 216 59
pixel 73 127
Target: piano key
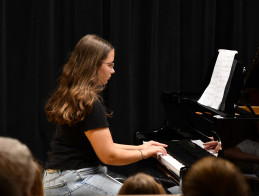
pixel 171 163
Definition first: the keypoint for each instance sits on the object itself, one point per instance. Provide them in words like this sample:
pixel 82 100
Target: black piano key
pixel 186 152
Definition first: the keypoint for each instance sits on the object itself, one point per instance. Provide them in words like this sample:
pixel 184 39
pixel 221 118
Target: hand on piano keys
pixel 212 146
pixel 152 143
pixel 152 148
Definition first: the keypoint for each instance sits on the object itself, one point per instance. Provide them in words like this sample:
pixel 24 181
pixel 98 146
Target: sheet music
pixel 213 94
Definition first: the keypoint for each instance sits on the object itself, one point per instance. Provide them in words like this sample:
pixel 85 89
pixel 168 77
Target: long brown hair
pixel 214 176
pixel 78 84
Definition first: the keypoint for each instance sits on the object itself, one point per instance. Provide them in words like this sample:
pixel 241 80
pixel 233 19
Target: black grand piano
pixel 188 121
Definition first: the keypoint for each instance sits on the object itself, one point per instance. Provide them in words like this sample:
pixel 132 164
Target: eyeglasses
pixel 111 65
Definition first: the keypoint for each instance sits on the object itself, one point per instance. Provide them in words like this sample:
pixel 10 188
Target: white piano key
pixel 171 163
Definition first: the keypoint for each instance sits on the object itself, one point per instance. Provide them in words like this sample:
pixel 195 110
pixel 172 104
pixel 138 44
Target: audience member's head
pixel 141 184
pixel 37 187
pixel 8 187
pixel 213 176
pixel 16 162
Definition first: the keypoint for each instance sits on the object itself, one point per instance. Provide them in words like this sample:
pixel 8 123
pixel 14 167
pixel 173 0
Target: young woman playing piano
pixel 83 143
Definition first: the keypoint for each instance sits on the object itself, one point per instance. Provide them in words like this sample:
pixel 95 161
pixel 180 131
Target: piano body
pixel 190 121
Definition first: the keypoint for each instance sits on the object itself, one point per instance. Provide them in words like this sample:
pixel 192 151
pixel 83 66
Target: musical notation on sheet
pixel 213 94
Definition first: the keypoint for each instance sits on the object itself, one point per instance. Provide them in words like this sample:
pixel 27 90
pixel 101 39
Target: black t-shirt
pixel 70 148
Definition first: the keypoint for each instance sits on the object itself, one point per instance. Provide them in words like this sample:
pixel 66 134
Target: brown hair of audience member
pixel 8 186
pixel 214 176
pixel 140 184
pixel 16 161
pixel 37 187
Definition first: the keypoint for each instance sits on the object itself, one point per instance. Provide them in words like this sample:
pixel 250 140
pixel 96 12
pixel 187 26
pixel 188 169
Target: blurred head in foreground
pixel 213 176
pixel 140 184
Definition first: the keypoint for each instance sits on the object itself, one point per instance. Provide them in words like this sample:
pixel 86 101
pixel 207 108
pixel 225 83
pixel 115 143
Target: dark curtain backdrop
pixel 166 45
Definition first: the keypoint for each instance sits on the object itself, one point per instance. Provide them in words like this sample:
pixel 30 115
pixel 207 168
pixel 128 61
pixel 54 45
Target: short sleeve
pixel 96 118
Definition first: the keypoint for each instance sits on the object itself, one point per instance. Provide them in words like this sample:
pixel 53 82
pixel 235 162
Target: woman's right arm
pixel 115 154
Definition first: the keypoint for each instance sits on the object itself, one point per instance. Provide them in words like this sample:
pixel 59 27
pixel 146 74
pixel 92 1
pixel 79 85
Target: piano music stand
pixel 233 88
